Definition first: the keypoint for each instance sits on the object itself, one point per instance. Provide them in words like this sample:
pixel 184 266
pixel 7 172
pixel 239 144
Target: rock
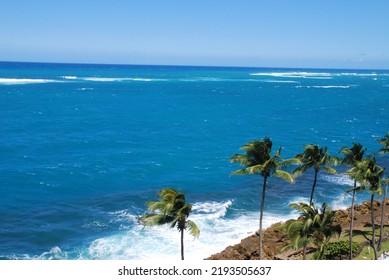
pixel 275 238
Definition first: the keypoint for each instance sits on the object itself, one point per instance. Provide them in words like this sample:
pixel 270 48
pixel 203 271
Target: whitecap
pixel 109 79
pixel 339 179
pixel 360 74
pixel 329 86
pixel 299 199
pixel 14 81
pixel 280 81
pixel 69 77
pixel 96 79
pixel 341 202
pixel 210 209
pixel 296 74
pixel 55 253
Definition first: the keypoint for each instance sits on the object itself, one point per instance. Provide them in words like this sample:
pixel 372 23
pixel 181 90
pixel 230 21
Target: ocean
pixel 84 147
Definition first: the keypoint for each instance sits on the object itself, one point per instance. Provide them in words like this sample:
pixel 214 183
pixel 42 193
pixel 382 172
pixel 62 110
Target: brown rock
pixel 274 237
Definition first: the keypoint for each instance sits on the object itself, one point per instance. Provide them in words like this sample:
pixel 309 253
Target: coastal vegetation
pixel 173 210
pixel 352 156
pixel 315 157
pixel 258 160
pixel 316 227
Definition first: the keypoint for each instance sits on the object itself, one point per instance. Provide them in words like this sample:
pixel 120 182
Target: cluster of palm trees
pixel 315 224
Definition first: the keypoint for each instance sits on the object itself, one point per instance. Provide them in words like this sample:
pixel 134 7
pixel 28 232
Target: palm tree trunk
pixel 304 252
pixel 382 219
pixel 373 226
pixel 261 216
pixel 352 220
pixel 182 244
pixel 313 187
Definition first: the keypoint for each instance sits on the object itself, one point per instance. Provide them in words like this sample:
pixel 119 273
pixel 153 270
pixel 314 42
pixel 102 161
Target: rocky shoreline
pixel 274 237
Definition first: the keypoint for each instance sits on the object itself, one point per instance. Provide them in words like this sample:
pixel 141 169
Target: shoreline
pixel 274 237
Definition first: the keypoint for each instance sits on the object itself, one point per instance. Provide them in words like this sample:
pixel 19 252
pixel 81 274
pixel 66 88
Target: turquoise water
pixel 83 147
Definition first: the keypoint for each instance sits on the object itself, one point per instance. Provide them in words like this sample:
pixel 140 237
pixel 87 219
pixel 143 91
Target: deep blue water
pixel 83 147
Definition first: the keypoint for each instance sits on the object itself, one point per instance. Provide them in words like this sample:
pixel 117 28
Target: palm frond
pixel 153 206
pixel 239 172
pixel 243 160
pixel 290 161
pixel 301 169
pixel 385 143
pixel 329 170
pixel 383 151
pixel 193 229
pixel 155 219
pixel 284 175
pixel 256 169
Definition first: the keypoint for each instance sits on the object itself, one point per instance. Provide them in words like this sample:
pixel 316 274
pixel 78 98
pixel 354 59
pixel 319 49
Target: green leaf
pixel 284 175
pixel 193 229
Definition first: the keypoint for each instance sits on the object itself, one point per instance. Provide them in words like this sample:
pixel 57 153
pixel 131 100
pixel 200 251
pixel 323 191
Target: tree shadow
pixel 363 233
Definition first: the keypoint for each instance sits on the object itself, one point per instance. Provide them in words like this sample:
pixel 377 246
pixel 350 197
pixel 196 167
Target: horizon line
pixel 194 66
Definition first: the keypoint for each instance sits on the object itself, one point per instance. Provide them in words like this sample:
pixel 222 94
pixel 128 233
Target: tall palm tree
pixel 173 210
pixel 352 156
pixel 315 225
pixel 384 150
pixel 315 157
pixel 385 143
pixel 370 175
pixel 385 182
pixel 258 160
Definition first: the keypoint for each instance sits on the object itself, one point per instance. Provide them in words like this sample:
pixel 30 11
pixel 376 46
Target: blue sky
pixel 268 33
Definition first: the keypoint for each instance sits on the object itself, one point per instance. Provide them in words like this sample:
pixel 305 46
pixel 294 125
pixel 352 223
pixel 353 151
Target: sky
pixel 259 33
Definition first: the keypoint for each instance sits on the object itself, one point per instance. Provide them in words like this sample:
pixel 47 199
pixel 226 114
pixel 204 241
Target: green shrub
pixel 336 250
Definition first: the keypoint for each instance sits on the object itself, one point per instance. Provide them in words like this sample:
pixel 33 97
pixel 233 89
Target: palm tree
pixel 384 150
pixel 173 210
pixel 370 175
pixel 315 157
pixel 352 156
pixel 301 231
pixel 385 143
pixel 314 225
pixel 258 160
pixel 325 230
pixel 385 182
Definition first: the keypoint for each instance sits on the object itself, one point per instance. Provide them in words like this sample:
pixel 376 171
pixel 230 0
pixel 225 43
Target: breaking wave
pixel 14 81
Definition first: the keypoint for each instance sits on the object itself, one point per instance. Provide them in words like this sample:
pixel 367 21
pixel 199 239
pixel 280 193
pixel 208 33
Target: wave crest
pixel 14 81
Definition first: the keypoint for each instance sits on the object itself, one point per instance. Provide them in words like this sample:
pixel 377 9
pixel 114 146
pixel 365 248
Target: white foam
pixel 55 253
pixel 340 203
pixel 95 79
pixel 70 77
pixel 300 199
pixel 361 74
pixel 98 79
pixel 85 89
pixel 210 209
pixel 296 74
pixel 304 74
pixel 217 232
pixel 339 179
pixel 328 86
pixel 280 81
pixel 14 81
